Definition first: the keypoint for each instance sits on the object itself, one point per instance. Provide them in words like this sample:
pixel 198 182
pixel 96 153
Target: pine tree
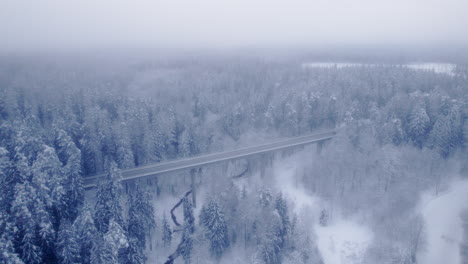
pixel 116 239
pixel 3 104
pixel 44 227
pixel 265 197
pixel 418 125
pixel 30 250
pixel 102 252
pixel 156 145
pixel 32 204
pixel 216 230
pixel 48 178
pixel 7 250
pixel 270 248
pixel 186 245
pixel 439 137
pixel 22 213
pixel 275 241
pixel 108 199
pixel 285 224
pixel 185 143
pixel 166 232
pixel 67 244
pixel 70 156
pixel 140 216
pixel 85 233
pixel 134 253
pixel 188 214
pixel 18 172
pixel 125 157
pixel 48 182
pixel 4 167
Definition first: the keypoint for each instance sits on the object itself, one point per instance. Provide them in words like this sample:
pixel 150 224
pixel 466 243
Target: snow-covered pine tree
pixel 8 254
pixel 31 204
pixel 7 250
pixel 4 167
pixel 70 156
pixel 186 245
pixel 418 125
pixel 189 219
pixel 270 247
pixel 102 252
pixel 140 216
pixel 439 138
pixel 116 239
pixel 17 172
pixel 108 196
pixel 185 144
pixel 166 232
pixel 157 148
pixel 134 254
pixel 3 104
pixel 285 224
pixel 86 232
pixel 264 197
pixel 23 216
pixel 48 180
pixel 68 248
pixel 125 157
pixel 30 249
pixel 216 231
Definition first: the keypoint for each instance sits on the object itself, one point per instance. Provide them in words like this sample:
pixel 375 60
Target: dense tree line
pixel 62 122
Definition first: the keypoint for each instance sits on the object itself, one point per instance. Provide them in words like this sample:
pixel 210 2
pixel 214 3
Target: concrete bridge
pixel 213 158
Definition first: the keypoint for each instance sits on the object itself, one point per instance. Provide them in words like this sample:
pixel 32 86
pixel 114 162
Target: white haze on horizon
pixel 104 24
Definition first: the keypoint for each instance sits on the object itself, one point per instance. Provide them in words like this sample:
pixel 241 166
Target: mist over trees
pixel 400 132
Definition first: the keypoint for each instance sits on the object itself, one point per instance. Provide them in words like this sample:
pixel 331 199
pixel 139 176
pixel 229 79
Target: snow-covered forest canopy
pixel 361 199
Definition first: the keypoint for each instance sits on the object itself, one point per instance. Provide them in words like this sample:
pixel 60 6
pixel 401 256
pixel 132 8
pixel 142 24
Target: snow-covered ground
pixel 443 224
pixel 446 68
pixel 338 65
pixel 443 68
pixel 287 181
pixel 342 241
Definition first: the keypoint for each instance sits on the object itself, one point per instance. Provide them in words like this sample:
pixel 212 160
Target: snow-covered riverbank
pixel 341 241
pixel 443 225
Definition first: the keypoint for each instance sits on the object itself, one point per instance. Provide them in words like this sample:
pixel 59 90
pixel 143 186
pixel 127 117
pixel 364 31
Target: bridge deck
pixel 197 161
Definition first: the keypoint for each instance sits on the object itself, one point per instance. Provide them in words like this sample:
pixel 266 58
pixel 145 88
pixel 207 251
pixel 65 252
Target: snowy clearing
pixel 343 242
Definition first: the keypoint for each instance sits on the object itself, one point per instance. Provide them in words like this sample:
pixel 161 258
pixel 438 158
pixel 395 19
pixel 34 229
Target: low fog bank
pixel 362 53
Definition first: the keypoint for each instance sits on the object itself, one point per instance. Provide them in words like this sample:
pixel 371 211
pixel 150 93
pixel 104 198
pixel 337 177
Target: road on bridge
pixel 202 160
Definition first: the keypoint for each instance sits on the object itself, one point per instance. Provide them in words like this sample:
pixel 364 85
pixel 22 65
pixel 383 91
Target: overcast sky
pixel 52 24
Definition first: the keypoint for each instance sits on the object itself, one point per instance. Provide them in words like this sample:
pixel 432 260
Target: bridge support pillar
pixel 193 173
pixel 262 170
pixel 319 147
